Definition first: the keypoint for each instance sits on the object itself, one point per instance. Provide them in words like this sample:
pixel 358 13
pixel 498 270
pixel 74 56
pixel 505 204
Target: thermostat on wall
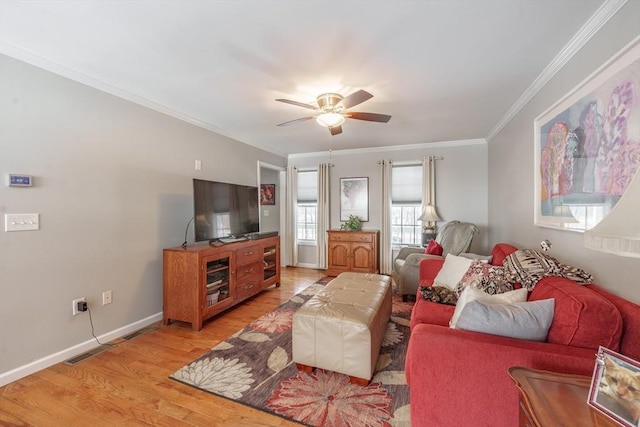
pixel 20 180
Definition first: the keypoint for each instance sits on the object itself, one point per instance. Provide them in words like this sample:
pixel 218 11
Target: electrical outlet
pixel 106 297
pixel 74 303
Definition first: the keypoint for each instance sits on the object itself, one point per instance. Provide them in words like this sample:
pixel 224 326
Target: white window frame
pixel 407 201
pixel 307 201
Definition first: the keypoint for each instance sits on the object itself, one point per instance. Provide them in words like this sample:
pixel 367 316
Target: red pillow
pixel 433 248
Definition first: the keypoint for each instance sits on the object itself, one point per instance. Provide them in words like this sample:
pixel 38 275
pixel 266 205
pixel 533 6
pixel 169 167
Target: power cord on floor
pixel 92 331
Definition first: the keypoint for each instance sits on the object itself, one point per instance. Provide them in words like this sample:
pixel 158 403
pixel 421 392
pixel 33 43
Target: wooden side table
pixel 553 399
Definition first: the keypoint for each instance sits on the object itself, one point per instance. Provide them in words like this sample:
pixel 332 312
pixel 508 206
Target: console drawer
pixel 352 236
pixel 247 289
pixel 248 254
pixel 249 272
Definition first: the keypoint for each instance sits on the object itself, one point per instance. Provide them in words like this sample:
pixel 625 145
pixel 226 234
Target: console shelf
pixel 200 281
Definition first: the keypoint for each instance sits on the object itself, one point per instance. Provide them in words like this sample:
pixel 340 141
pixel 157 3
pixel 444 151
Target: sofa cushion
pixel 582 317
pixel 472 294
pixel 491 279
pixel 431 313
pixel 520 320
pixel 452 271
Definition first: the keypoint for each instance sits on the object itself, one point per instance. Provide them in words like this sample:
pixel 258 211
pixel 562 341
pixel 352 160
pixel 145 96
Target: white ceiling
pixel 445 70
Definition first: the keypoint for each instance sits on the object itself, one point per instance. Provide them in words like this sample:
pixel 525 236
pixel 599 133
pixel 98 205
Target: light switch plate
pixel 21 222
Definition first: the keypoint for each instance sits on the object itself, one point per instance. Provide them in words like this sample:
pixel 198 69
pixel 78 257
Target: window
pixel 406 205
pixel 306 223
pixel 222 224
pixel 587 216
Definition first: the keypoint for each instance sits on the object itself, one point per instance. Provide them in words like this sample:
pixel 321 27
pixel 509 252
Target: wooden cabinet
pixel 200 281
pixel 352 251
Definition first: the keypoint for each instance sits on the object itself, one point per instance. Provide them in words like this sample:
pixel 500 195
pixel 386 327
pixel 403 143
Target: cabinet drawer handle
pixel 249 253
pixel 363 238
pixel 249 286
pixel 249 270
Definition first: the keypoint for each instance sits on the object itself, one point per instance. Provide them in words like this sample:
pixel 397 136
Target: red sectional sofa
pixel 459 378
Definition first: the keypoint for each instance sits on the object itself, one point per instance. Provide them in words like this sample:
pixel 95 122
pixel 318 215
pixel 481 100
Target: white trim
pixel 608 9
pixel 61 356
pixel 420 146
pixel 312 266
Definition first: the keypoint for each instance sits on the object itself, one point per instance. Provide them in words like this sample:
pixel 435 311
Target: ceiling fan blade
pixel 303 119
pixel 370 117
pixel 336 130
pixel 299 104
pixel 355 98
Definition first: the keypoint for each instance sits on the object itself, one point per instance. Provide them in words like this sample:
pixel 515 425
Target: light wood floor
pixel 129 384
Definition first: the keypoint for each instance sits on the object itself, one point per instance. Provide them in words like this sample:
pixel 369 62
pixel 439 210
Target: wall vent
pixel 87 354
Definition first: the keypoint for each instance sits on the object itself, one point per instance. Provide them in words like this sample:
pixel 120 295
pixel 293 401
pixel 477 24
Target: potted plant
pixel 352 224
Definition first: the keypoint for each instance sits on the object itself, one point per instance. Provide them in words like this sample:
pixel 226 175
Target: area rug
pixel 254 367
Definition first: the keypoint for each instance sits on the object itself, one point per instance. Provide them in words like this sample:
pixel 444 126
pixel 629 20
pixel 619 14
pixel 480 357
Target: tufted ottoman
pixel 341 328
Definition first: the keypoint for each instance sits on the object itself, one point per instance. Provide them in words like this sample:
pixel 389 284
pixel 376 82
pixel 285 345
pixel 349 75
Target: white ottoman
pixel 341 328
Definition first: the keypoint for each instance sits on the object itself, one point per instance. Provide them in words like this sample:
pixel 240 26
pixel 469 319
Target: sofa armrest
pixel 408 250
pixel 429 267
pixel 459 377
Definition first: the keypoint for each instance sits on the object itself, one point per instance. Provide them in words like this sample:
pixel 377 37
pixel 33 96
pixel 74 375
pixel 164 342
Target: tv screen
pixel 222 210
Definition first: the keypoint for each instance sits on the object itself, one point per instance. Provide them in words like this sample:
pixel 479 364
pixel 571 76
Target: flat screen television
pixel 224 210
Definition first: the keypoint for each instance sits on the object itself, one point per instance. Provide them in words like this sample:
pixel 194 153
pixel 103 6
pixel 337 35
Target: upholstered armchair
pixel 455 238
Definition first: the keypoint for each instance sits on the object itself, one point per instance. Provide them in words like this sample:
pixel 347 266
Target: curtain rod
pixel 411 161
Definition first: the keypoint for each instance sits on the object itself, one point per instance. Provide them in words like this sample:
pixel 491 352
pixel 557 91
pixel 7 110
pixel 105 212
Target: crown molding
pixel 606 11
pixel 56 67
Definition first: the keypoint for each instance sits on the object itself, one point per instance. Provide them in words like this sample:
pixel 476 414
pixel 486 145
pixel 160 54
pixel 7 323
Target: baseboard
pixel 61 356
pixel 305 265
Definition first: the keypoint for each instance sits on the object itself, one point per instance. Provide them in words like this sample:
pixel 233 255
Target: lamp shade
pixel 429 214
pixel 330 119
pixel 619 232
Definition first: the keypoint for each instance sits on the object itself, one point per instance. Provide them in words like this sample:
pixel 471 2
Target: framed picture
pixel 267 194
pixel 587 146
pixel 354 198
pixel 614 378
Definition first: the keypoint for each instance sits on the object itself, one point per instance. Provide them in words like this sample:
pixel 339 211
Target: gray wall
pixel 461 182
pixel 113 187
pixel 511 167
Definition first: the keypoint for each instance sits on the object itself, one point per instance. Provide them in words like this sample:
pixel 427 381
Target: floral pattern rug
pixel 254 367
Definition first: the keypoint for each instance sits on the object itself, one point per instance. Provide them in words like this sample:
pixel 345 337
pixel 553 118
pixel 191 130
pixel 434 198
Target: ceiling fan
pixel 331 110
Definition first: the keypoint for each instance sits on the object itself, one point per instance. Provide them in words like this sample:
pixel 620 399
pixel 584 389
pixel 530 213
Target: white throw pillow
pixel 472 294
pixel 452 271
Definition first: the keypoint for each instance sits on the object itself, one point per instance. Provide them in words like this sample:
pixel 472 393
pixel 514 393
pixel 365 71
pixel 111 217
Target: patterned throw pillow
pixel 491 279
pixel 439 294
pixel 528 267
pixel 576 274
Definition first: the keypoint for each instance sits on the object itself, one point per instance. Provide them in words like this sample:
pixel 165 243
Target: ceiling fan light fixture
pixel 330 120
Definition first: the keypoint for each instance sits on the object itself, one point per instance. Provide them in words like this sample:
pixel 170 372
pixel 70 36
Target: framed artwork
pixel 354 198
pixel 614 378
pixel 267 194
pixel 587 146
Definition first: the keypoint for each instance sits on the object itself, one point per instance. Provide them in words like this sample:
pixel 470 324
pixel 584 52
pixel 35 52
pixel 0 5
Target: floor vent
pixel 139 332
pixel 84 356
